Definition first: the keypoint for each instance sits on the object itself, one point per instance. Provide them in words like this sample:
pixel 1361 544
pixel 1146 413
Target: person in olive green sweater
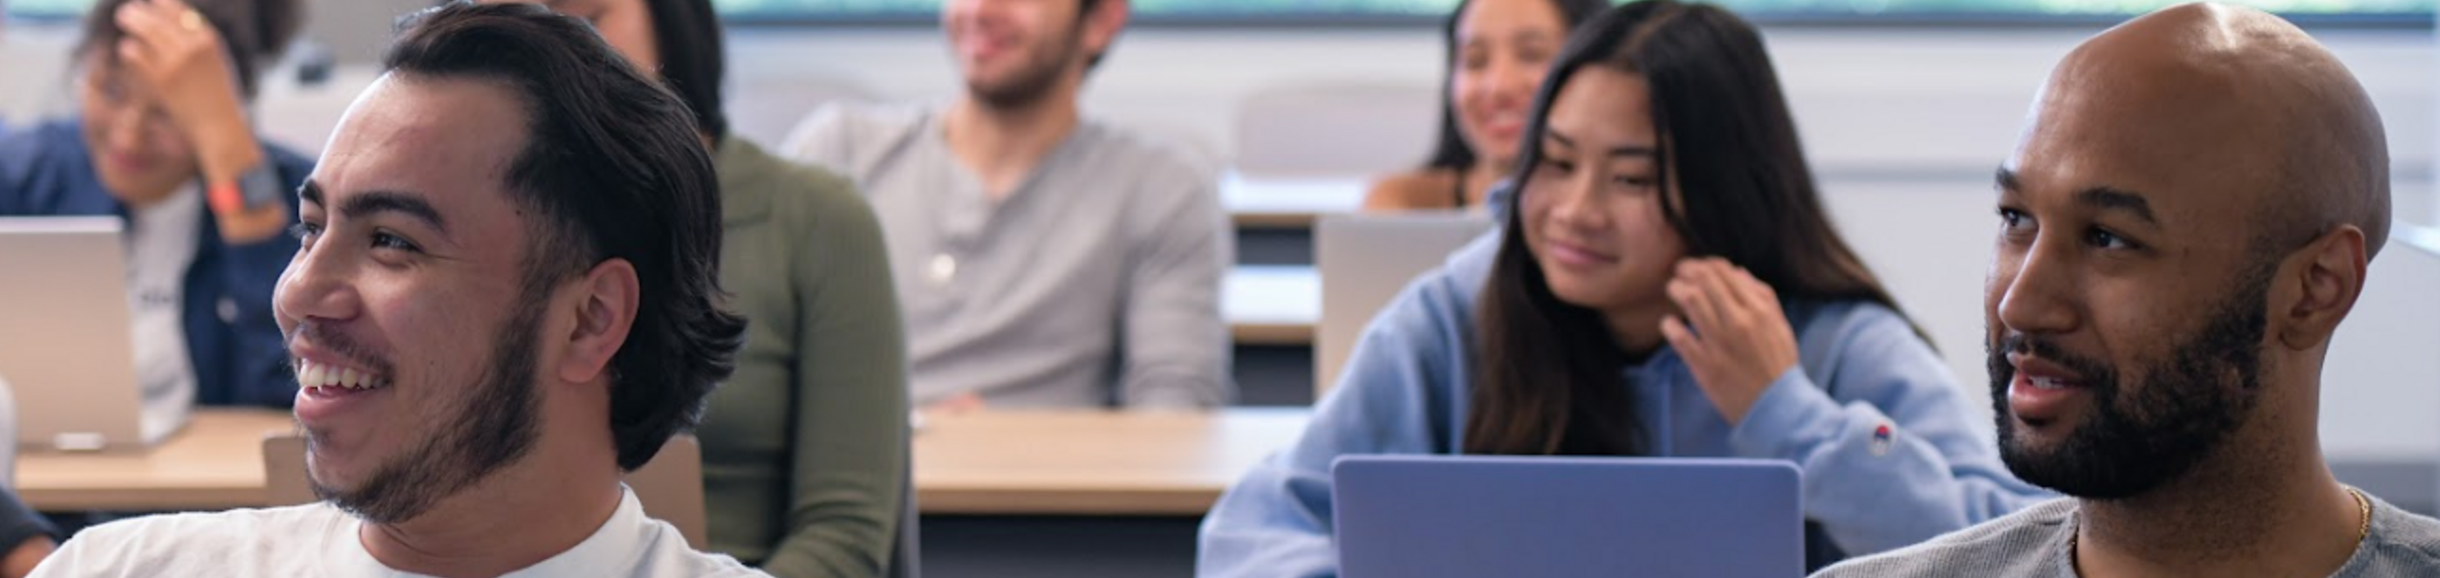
pixel 805 447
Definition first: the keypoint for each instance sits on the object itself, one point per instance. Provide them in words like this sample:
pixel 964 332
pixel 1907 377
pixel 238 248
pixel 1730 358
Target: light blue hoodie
pixel 1862 367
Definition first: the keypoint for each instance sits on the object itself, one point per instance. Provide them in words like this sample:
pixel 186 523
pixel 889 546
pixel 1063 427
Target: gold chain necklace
pixel 2364 504
pixel 2363 531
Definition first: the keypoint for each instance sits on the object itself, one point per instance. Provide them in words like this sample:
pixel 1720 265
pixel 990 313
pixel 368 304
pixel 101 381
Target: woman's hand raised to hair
pixel 176 54
pixel 172 50
pixel 1739 342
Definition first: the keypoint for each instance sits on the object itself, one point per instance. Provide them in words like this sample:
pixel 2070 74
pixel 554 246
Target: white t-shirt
pixel 161 244
pixel 319 540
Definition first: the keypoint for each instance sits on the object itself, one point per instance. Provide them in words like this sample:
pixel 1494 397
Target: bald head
pixel 2183 228
pixel 2228 103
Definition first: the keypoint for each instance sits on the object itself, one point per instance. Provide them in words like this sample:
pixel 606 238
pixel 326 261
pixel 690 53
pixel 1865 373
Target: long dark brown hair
pixel 693 59
pixel 1551 377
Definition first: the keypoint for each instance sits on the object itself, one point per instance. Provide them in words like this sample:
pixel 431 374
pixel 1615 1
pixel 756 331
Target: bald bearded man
pixel 2184 225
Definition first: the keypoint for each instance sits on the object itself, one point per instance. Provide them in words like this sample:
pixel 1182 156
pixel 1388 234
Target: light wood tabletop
pixel 215 463
pixel 1059 463
pixel 1093 463
pixel 1272 304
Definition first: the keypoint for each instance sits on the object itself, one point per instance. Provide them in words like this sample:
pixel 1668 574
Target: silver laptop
pixel 64 334
pixel 1468 516
pixel 1365 260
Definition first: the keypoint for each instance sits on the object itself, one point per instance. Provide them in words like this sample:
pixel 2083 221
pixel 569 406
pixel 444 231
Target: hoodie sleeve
pixel 1276 521
pixel 1884 436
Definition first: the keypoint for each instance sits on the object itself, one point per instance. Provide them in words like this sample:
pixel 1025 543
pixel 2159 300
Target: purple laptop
pixel 1472 516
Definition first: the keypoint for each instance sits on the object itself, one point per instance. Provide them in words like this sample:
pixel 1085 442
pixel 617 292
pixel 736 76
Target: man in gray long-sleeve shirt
pixel 1044 260
pixel 2183 227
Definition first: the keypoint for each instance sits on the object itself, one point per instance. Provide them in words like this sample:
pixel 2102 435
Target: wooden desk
pixel 215 463
pixel 1080 463
pixel 1288 203
pixel 1093 463
pixel 1272 304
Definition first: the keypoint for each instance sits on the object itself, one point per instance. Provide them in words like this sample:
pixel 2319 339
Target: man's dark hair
pixel 692 61
pixel 253 32
pixel 612 169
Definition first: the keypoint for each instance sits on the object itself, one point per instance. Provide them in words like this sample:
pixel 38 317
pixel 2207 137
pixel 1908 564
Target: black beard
pixel 2179 414
pixel 493 428
pixel 1033 84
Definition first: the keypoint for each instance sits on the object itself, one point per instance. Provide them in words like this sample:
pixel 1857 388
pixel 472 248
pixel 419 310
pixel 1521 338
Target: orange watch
pixel 225 198
pixel 256 187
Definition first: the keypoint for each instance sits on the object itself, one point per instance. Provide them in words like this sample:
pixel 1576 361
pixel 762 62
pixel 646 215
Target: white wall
pixel 1904 127
pixel 1874 105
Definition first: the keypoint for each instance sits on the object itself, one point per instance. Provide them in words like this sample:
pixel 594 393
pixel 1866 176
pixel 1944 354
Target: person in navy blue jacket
pixel 163 141
pixel 1666 283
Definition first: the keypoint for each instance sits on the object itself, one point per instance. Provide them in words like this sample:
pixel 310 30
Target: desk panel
pixel 215 463
pixel 1272 304
pixel 1060 463
pixel 1093 463
pixel 1289 202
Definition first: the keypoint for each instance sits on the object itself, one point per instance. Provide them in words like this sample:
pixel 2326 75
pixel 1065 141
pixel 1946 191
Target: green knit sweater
pixel 804 448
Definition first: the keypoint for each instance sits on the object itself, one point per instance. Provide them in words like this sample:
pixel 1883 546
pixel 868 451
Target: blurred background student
pixel 1497 53
pixel 1667 283
pixel 804 448
pixel 1045 258
pixel 163 138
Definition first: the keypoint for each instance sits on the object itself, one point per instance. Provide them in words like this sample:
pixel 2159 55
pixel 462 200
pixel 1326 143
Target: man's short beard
pixel 490 430
pixel 1030 86
pixel 2181 415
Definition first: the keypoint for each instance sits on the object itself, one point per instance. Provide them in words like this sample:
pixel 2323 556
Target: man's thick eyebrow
pixel 2113 199
pixel 369 203
pixel 2104 197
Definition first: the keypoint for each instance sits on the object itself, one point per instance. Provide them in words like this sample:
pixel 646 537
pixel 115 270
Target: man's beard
pixel 1032 83
pixel 2180 415
pixel 488 431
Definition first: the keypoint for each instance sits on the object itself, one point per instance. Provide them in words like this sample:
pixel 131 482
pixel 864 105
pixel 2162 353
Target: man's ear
pixel 606 301
pixel 2317 287
pixel 1102 25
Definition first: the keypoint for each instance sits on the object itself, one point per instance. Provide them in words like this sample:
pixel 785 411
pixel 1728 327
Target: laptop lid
pixel 1365 260
pixel 64 333
pixel 1469 516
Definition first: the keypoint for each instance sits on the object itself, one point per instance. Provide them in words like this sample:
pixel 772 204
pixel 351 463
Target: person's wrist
pixel 224 197
pixel 232 183
pixel 226 150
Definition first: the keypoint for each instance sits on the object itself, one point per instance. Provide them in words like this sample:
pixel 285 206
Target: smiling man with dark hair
pixel 505 298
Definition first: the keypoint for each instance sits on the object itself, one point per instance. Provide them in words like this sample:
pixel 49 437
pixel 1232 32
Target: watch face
pixel 261 186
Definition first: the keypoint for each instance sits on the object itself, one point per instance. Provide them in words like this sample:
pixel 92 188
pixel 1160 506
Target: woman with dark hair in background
pixel 163 141
pixel 1497 52
pixel 1666 283
pixel 804 448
